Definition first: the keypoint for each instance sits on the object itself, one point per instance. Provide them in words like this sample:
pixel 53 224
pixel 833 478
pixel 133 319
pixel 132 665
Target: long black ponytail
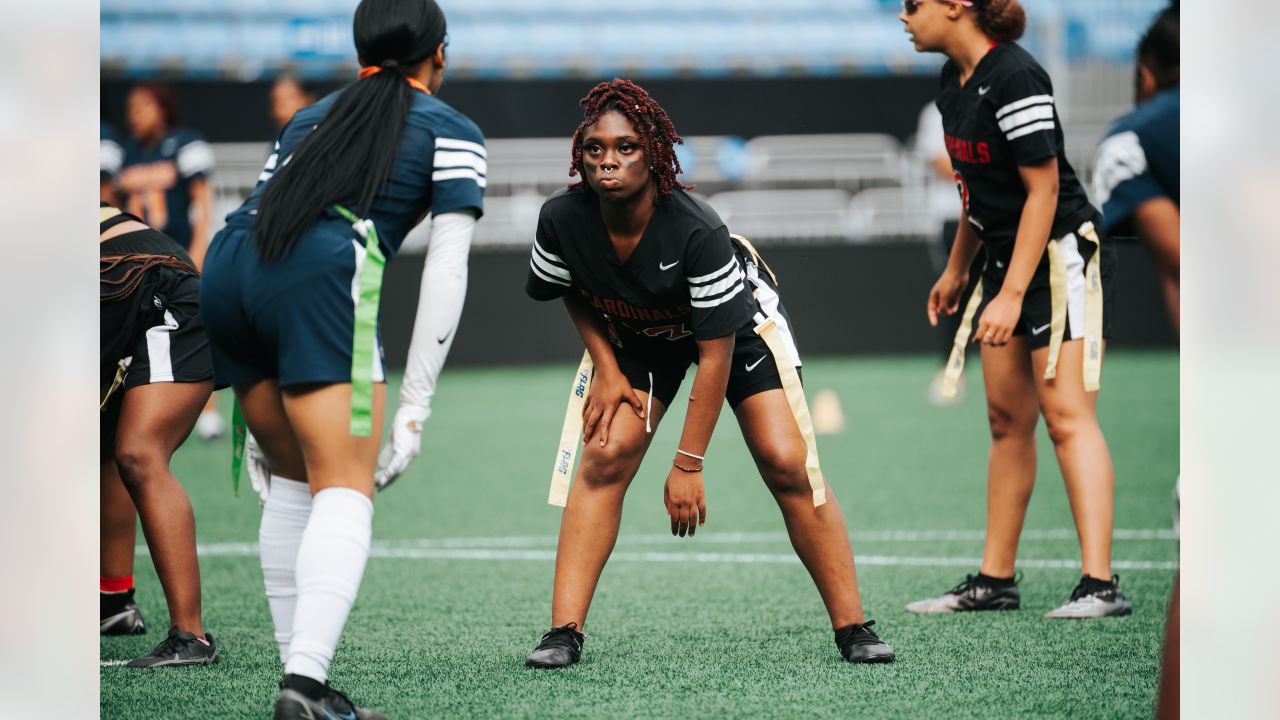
pixel 348 157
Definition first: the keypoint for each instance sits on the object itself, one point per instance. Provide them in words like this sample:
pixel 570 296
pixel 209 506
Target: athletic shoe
pixel 119 615
pixel 1094 598
pixel 975 593
pixel 302 698
pixel 180 648
pixel 210 425
pixel 859 644
pixel 560 647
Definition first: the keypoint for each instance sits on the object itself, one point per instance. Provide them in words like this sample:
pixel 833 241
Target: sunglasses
pixel 910 6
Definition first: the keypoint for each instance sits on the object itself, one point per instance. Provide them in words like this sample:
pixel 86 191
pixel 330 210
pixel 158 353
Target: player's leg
pixel 119 613
pixel 1070 415
pixel 288 505
pixel 818 534
pixel 1012 415
pixel 589 528
pixel 334 547
pixel 154 420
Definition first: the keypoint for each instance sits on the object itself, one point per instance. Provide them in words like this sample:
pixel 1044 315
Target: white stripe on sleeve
pixel 701 292
pixel 720 300
pixel 1027 130
pixel 452 144
pixel 1025 102
pixel 1120 158
pixel 459 174
pixel 549 278
pixel 446 159
pixel 550 256
pixel 549 269
pixel 702 279
pixel 1022 117
pixel 195 157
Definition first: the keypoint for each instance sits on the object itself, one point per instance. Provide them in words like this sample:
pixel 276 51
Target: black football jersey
pixel 683 282
pixel 1003 117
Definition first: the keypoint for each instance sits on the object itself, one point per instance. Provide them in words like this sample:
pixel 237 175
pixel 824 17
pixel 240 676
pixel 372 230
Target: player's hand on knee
pixel 403 446
pixel 607 394
pixel 686 501
pixel 256 465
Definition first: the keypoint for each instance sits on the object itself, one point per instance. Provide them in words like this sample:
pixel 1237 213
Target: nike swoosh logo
pixel 753 365
pixel 1037 331
pixel 446 337
pixel 664 266
pixel 984 90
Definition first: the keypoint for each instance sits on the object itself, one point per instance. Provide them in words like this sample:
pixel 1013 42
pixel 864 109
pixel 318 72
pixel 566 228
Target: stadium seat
pixel 777 216
pixel 884 213
pixel 850 161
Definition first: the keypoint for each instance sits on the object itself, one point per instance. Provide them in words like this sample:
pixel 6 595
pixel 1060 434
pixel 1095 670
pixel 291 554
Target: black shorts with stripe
pixel 156 334
pixel 1075 249
pixel 753 369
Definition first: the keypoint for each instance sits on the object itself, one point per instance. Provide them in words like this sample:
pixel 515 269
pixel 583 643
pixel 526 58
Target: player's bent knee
pixel 138 462
pixel 1064 424
pixel 1007 423
pixel 614 463
pixel 783 471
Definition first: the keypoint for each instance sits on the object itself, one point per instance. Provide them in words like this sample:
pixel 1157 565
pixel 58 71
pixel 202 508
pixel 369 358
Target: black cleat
pixel 302 698
pixel 1094 598
pixel 859 644
pixel 119 615
pixel 977 592
pixel 179 648
pixel 560 647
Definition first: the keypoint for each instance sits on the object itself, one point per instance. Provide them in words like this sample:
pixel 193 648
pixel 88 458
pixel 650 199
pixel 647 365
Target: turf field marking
pixel 111 663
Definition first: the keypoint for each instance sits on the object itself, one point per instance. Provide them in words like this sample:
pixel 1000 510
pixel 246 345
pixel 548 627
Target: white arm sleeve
pixel 444 286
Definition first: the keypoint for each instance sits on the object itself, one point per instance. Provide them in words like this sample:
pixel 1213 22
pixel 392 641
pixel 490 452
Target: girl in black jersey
pixel 653 283
pixel 1042 305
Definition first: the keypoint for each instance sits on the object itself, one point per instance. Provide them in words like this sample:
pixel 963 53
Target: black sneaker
pixel 560 647
pixel 180 648
pixel 119 615
pixel 859 644
pixel 977 592
pixel 302 698
pixel 1094 598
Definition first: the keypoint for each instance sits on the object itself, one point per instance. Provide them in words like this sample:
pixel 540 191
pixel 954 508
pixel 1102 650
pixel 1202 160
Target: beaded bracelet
pixel 678 466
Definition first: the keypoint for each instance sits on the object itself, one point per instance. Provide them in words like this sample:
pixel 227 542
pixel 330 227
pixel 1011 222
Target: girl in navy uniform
pixel 290 298
pixel 1042 305
pixel 654 283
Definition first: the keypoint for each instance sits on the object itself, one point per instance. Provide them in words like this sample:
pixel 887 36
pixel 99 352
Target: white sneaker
pixel 1093 599
pixel 210 425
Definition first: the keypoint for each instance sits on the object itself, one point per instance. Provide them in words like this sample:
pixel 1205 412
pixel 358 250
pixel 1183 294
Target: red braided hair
pixel 658 136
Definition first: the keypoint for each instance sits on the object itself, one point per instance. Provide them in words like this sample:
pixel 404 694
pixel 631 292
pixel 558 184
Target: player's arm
pixel 201 210
pixel 944 298
pixel 610 387
pixel 1000 317
pixel 1158 224
pixel 684 495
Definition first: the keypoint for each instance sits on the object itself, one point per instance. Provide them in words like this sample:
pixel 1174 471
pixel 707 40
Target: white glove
pixel 256 464
pixel 403 446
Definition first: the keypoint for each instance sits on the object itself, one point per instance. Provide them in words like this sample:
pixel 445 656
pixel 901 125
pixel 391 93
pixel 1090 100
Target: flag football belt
pixel 369 270
pixel 1058 293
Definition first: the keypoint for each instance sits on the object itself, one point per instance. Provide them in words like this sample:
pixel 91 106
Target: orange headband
pixel 374 70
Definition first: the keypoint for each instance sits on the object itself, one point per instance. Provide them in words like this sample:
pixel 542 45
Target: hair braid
pixel 658 136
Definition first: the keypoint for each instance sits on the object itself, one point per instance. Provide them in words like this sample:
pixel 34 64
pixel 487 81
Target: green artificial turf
pixel 458 590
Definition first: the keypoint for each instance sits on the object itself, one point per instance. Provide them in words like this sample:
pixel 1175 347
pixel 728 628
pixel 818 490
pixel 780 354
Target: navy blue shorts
pixel 292 320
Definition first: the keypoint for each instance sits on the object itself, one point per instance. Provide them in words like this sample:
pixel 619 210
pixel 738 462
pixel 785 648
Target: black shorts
pixel 753 368
pixel 1076 250
pixel 157 333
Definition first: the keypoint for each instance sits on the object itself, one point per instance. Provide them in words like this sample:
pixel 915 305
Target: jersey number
pixel 964 191
pixel 673 332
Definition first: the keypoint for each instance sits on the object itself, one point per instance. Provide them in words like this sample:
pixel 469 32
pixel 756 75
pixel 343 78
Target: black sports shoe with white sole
pixel 1093 598
pixel 119 615
pixel 859 644
pixel 977 592
pixel 560 647
pixel 302 698
pixel 179 648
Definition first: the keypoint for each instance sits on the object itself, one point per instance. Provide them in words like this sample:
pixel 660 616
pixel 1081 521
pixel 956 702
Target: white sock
pixel 284 517
pixel 331 560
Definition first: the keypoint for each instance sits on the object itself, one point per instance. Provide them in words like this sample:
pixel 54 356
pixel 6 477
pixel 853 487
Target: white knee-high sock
pixel 331 560
pixel 284 517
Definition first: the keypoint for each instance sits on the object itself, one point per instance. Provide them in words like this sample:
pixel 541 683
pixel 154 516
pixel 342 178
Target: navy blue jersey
pixel 440 167
pixel 1138 160
pixel 156 181
pixel 684 280
pixel 1004 117
pixel 110 154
